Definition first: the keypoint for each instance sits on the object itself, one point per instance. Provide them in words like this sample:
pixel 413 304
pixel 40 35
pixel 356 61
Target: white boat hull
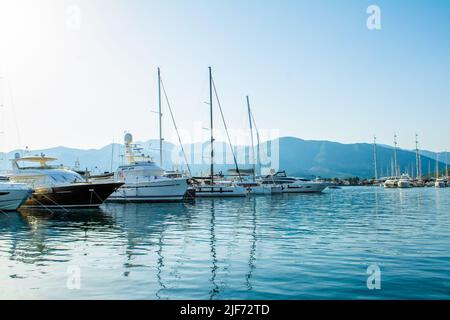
pixel 152 191
pixel 391 184
pixel 13 198
pixel 404 184
pixel 265 190
pixel 304 187
pixel 220 191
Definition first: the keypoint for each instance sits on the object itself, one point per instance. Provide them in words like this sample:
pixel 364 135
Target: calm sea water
pixel 280 247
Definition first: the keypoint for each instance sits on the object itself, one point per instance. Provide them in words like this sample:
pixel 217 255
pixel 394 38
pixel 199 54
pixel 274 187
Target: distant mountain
pixel 298 157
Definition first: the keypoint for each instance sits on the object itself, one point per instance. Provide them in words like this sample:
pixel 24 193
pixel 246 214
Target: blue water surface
pixel 267 247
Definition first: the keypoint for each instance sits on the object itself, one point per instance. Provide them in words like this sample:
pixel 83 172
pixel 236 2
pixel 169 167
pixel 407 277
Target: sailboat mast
pixel 437 165
pixel 211 123
pixel 251 135
pixel 375 157
pixel 418 165
pixel 446 164
pixel 160 120
pixel 395 156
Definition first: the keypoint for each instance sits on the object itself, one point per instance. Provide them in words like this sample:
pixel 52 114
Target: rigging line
pixel 226 130
pixel 175 125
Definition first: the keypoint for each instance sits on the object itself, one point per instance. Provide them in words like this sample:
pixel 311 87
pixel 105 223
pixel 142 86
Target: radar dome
pixel 128 138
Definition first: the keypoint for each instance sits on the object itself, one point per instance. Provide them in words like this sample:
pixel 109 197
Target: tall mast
pixel 160 120
pixel 251 135
pixel 375 162
pixel 395 156
pixel 446 164
pixel 437 165
pixel 418 164
pixel 211 123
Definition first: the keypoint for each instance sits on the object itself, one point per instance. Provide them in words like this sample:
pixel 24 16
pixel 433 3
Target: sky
pixel 79 73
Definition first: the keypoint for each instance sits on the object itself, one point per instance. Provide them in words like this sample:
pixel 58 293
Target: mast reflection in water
pixel 279 247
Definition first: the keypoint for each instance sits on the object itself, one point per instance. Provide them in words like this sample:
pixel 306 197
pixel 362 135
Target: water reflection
pixel 252 258
pixel 215 290
pixel 32 234
pixel 229 248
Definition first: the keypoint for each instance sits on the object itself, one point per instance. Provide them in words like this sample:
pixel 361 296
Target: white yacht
pixel 404 181
pixel 13 195
pixel 391 182
pixel 292 184
pixel 144 181
pixel 246 178
pixel 58 187
pixel 440 183
pixel 220 189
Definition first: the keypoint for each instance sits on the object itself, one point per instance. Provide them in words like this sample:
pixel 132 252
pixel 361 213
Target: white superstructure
pixel 144 181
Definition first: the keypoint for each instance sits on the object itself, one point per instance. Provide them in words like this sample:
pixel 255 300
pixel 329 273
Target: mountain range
pixel 296 156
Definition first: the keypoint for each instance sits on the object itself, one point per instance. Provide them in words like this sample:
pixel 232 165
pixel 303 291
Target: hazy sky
pixel 312 68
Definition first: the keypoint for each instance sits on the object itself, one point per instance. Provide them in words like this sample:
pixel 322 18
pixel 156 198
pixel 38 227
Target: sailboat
pixel 418 182
pixel 253 186
pixel 210 187
pixel 392 182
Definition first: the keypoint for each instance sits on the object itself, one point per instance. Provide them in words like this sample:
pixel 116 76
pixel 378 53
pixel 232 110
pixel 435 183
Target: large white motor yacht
pixel 13 195
pixel 404 181
pixel 292 184
pixel 391 182
pixel 144 180
pixel 58 187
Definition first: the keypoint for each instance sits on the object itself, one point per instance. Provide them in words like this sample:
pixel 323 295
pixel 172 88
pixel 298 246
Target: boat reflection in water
pixel 229 248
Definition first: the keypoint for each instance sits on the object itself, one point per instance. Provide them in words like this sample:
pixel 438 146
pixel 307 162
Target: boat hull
pixel 172 190
pixel 404 184
pixel 88 195
pixel 304 188
pixel 265 189
pixel 220 192
pixel 11 200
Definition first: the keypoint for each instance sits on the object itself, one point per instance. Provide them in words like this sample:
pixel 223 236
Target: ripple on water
pixel 281 247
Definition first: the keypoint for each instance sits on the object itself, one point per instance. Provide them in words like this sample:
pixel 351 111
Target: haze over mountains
pixel 298 157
